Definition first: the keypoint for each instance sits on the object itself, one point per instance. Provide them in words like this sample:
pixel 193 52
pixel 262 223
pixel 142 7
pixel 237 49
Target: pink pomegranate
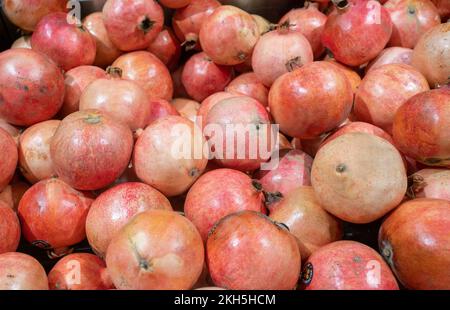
pixel 187 108
pixel 8 164
pixel 208 104
pixel 20 271
pixel 160 108
pixel 9 229
pixel 430 183
pixel 166 47
pixel 248 84
pixel 12 130
pixel 391 55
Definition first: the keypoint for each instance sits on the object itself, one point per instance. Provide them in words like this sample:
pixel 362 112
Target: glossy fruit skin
pixel 347 265
pixel 201 77
pixel 34 151
pixel 32 88
pixel 411 19
pixel 167 48
pixel 353 77
pixel 115 207
pixel 315 110
pixel 241 34
pixel 90 150
pixel 68 45
pixel 248 84
pixel 355 35
pixel 8 163
pixel 247 250
pixel 148 71
pixel 414 240
pixel 9 229
pixel 53 214
pixel 430 183
pixel 419 128
pixel 20 271
pixel 208 104
pixel 132 24
pixel 385 89
pixel 160 108
pixel 391 55
pixel 157 249
pixel 186 107
pixel 209 200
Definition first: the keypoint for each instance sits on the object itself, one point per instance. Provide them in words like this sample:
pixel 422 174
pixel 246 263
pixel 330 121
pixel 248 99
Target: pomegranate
pixel 263 24
pixel 357 31
pixel 278 52
pixel 53 214
pixel 248 84
pixel 411 19
pixel 210 102
pixel 178 88
pixel 9 229
pixel 90 150
pixel 160 108
pixel 201 77
pixel 12 194
pixel 106 52
pixel 347 265
pixel 69 45
pixel 166 47
pixel 430 183
pixel 414 240
pixel 391 55
pixel 34 151
pixel 421 128
pixel 235 27
pixel 209 200
pixel 443 7
pixel 175 4
pixel 132 24
pixel 12 130
pixel 20 271
pixel 148 71
pixel 359 177
pixel 248 251
pixel 316 109
pixel 352 75
pixel 22 42
pixel 32 87
pixel 186 108
pixel 157 249
pixel 115 207
pixel 8 149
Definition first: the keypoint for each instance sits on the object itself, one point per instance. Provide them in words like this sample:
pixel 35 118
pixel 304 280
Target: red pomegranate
pixel 32 87
pixel 160 108
pixel 248 251
pixel 34 151
pixel 235 27
pixel 90 150
pixel 391 55
pixel 107 52
pixel 8 164
pixel 209 200
pixel 12 130
pixel 347 265
pixel 148 71
pixel 411 19
pixel 69 45
pixel 208 104
pixel 316 109
pixel 12 194
pixel 157 249
pixel 175 4
pixel 414 240
pixel 430 183
pixel 9 229
pixel 248 84
pixel 352 76
pixel 187 108
pixel 22 42
pixel 20 271
pixel 53 214
pixel 357 31
pixel 166 47
pixel 420 128
pixel 132 24
pixel 115 207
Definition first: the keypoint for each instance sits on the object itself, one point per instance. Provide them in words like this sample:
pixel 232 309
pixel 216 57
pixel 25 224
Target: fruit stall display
pixel 92 100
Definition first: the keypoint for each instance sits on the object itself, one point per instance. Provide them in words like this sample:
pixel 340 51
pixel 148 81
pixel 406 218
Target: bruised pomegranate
pixel 248 84
pixel 209 200
pixel 186 107
pixel 391 55
pixel 166 47
pixel 8 164
pixel 160 108
pixel 248 251
pixel 20 271
pixel 90 150
pixel 414 240
pixel 347 265
pixel 22 42
pixel 157 249
pixel 430 183
pixel 32 87
pixel 208 104
pixel 9 229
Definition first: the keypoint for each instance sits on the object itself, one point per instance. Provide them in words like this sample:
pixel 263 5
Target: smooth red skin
pixel 12 130
pixel 178 88
pixel 34 151
pixel 234 26
pixel 175 4
pixel 68 45
pixel 8 164
pixel 148 71
pixel 53 212
pixel 90 150
pixel 391 55
pixel 247 251
pixel 20 271
pixel 123 19
pixel 248 84
pixel 431 183
pixel 168 243
pixel 209 103
pixel 209 200
pixel 114 208
pixel 186 107
pixel 76 81
pixel 420 128
pixel 310 22
pixel 304 107
pixel 32 87
pixel 414 240
pixel 275 50
pixel 352 75
pixel 385 89
pixel 201 77
pixel 411 19
pixel 160 108
pixel 106 52
pixel 22 42
pixel 349 265
pixel 354 36
pixel 9 229
pixel 167 48
pixel 443 7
